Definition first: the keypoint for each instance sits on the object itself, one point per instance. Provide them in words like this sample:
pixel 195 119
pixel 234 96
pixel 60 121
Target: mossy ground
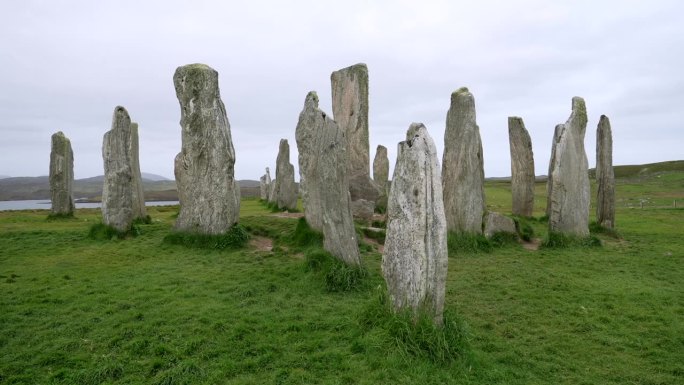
pixel 79 311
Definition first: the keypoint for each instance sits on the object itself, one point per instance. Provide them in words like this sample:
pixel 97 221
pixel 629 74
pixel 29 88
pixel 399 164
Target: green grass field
pixel 139 311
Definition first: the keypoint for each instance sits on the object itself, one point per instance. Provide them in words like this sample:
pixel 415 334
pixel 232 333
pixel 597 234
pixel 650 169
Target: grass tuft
pixel 338 276
pixel 417 335
pixel 101 232
pixel 556 240
pixel 458 243
pixel 524 228
pixel 146 220
pixel 502 238
pixel 235 238
pixel 595 228
pixel 304 236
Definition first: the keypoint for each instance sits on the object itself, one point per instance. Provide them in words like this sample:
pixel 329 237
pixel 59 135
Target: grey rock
pixel 61 175
pixel 350 111
pixel 117 191
pixel 463 166
pixel 204 169
pixel 324 181
pixel 522 167
pixel 284 190
pixel 569 177
pixel 414 264
pixel 498 223
pixel 139 210
pixel 263 188
pixel 549 181
pixel 363 209
pixel 605 176
pixel 381 174
pixel 269 184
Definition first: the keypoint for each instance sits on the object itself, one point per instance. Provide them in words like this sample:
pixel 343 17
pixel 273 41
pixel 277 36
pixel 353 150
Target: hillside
pixel 25 188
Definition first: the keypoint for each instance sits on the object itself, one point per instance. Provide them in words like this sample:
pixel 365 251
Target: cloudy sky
pixel 65 65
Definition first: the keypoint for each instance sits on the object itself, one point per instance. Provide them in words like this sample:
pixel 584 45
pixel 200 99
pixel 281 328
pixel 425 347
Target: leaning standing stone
pixel 61 175
pixel 323 172
pixel 285 190
pixel 569 178
pixel 204 168
pixel 605 177
pixel 462 166
pixel 522 167
pixel 117 191
pixel 415 261
pixel 350 111
pixel 139 210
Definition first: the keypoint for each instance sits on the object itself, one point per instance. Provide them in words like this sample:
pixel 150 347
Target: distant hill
pixel 642 170
pixel 4 176
pixel 25 188
pixel 153 177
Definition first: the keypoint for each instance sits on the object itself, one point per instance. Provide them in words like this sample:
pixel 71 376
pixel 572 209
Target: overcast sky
pixel 65 65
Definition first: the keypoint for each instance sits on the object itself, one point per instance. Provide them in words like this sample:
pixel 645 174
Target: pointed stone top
pixel 284 147
pixel 462 96
pixel 579 114
pixel 59 134
pixel 311 100
pixel 120 110
pixel 268 170
pixel 604 118
pixel 381 148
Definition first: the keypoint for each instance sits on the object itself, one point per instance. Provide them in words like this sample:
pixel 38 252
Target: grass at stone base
pixel 79 311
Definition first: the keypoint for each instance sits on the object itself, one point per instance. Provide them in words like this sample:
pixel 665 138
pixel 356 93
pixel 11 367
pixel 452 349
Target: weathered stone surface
pixel 462 166
pixel 139 210
pixel 569 178
pixel 266 187
pixel 263 188
pixel 350 111
pixel 285 189
pixel 324 181
pixel 522 167
pixel 605 177
pixel 61 175
pixel 549 180
pixel 498 223
pixel 117 191
pixel 204 169
pixel 415 261
pixel 363 209
pixel 381 174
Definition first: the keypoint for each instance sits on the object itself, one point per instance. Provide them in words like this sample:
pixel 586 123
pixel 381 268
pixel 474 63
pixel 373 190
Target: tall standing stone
pixel 139 210
pixel 204 169
pixel 263 188
pixel 569 178
pixel 285 189
pixel 415 260
pixel 308 134
pixel 323 174
pixel 463 166
pixel 605 177
pixel 61 175
pixel 117 191
pixel 381 174
pixel 549 181
pixel 522 167
pixel 350 111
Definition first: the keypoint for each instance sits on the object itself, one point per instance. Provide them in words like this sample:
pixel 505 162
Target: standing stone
pixel 263 188
pixel 139 210
pixel 269 184
pixel 522 167
pixel 462 166
pixel 549 180
pixel 323 175
pixel 61 175
pixel 605 177
pixel 308 134
pixel 285 189
pixel 381 174
pixel 350 111
pixel 117 191
pixel 415 261
pixel 204 169
pixel 569 177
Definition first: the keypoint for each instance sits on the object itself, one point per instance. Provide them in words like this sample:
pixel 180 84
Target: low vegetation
pixel 76 310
